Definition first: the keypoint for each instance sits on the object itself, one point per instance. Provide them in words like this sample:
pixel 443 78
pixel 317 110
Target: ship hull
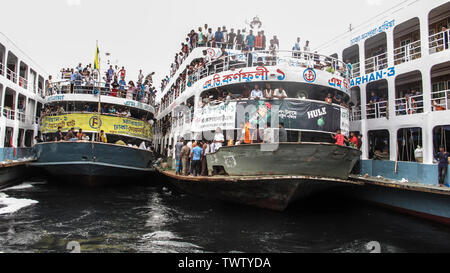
pixel 305 159
pixel 267 192
pixel 93 164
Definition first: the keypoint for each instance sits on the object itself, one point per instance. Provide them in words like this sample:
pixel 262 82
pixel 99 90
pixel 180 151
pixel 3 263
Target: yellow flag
pixel 96 63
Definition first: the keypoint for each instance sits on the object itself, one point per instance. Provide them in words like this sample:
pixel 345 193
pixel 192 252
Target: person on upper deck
pixel 329 99
pixel 102 137
pixel 218 38
pixel 268 92
pixel 280 93
pixel 250 41
pixel 59 134
pixel 231 39
pixel 256 94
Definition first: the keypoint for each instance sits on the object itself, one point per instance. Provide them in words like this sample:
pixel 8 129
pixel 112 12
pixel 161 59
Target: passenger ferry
pixel 216 96
pixel 401 94
pixel 112 132
pixel 22 83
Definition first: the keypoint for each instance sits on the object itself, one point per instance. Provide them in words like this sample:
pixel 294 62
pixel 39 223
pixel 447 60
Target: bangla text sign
pixel 91 123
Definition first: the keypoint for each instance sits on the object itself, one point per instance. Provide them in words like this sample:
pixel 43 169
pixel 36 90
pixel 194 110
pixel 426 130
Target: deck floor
pixel 385 182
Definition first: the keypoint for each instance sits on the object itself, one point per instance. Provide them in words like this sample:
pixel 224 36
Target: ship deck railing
pixel 233 62
pixel 355 113
pixel 441 99
pixel 377 110
pixel 408 52
pixel 20 116
pixel 64 87
pixel 439 41
pixel 409 105
pixel 11 75
pixel 376 63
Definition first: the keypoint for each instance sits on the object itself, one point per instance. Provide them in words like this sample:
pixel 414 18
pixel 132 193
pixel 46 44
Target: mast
pixel 97 60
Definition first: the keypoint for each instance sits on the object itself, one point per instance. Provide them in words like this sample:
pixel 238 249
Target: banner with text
pixel 91 123
pixel 298 115
pixel 209 118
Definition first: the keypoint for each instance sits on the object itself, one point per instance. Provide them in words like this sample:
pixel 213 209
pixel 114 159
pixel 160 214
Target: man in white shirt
pixel 219 139
pixel 256 93
pixel 279 93
pixel 209 37
pixel 141 76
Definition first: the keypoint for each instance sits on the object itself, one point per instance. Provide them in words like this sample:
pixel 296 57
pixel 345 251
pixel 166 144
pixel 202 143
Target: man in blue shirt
pixel 250 41
pixel 218 37
pixel 73 78
pixel 443 158
pixel 196 156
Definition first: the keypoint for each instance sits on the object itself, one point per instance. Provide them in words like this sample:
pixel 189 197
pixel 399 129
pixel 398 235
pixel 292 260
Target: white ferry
pixel 401 92
pixel 216 95
pixel 22 83
pixel 111 133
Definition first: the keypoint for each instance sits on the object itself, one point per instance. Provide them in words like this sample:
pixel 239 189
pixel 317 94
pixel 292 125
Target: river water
pixel 39 217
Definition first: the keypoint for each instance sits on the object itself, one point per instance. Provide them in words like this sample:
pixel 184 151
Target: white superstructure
pixel 22 84
pixel 403 57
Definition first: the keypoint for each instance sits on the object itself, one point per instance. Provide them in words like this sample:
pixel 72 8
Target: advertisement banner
pixel 91 123
pixel 298 115
pixel 209 118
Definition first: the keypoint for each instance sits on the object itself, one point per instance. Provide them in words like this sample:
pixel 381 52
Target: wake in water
pixel 9 205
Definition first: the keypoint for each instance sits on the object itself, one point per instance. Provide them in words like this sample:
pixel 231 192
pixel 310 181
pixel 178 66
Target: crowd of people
pixel 85 80
pixel 72 136
pixel 224 60
pixel 207 37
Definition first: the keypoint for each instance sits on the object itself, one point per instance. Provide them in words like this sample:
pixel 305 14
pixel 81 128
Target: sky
pixel 146 34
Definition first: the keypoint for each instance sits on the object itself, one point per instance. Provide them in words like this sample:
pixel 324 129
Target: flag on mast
pixel 96 62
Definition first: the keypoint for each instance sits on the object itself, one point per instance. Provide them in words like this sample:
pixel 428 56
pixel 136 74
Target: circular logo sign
pixel 211 52
pixel 309 75
pixel 95 122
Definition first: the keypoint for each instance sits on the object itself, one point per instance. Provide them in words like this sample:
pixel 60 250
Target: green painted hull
pixel 302 159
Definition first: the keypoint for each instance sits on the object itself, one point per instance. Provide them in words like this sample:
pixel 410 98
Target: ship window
pixel 8 137
pixel 20 138
pixel 377 100
pixel 409 142
pixel 29 138
pixel 441 137
pixel 379 145
pixel 409 95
